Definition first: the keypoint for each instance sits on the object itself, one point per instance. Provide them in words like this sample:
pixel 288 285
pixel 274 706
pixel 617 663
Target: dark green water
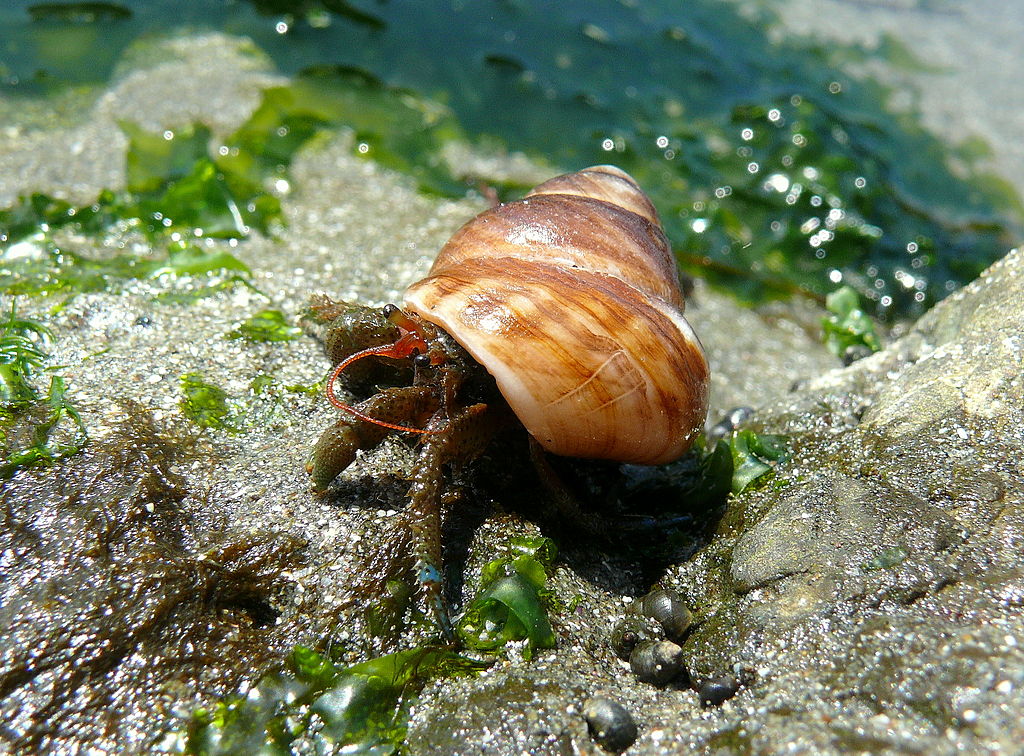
pixel 772 169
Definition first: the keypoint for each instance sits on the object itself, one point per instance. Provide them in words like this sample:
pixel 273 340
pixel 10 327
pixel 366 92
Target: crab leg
pixel 336 448
pixel 466 433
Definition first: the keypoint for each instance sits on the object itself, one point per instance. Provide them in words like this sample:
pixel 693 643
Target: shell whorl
pixel 570 298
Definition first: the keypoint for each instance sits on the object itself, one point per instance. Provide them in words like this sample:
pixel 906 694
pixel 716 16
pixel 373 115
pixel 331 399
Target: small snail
pixel 657 662
pixel 569 298
pixel 669 609
pixel 717 691
pixel 632 630
pixel 610 723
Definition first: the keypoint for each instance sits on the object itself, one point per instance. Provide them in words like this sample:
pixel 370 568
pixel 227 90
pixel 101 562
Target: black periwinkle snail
pixel 569 299
pixel 610 724
pixel 717 691
pixel 669 610
pixel 657 662
pixel 631 630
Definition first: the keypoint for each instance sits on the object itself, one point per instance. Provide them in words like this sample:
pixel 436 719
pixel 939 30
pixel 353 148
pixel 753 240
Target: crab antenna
pixel 408 344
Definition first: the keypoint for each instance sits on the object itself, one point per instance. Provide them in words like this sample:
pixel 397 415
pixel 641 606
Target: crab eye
pixel 389 310
pixel 421 360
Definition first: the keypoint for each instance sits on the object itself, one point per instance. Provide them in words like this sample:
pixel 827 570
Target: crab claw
pixel 336 449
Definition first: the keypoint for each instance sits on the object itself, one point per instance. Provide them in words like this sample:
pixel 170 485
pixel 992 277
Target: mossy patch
pixel 36 427
pixel 314 703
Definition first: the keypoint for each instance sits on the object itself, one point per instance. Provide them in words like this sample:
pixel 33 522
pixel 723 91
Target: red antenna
pixel 409 344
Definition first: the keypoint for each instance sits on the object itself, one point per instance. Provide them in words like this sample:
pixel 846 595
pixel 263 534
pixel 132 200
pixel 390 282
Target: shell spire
pixel 570 298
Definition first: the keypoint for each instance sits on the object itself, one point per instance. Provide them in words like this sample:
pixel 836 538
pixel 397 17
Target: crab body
pixel 563 308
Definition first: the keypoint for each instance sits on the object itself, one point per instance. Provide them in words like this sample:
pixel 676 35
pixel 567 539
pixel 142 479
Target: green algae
pixel 176 192
pixel 176 182
pixel 511 602
pixel 36 427
pixel 51 270
pixel 701 481
pixel 265 326
pixel 315 704
pixel 392 126
pixel 174 196
pixel 210 406
pixel 79 13
pixel 21 356
pixel 847 325
pixel 175 188
pixel 752 456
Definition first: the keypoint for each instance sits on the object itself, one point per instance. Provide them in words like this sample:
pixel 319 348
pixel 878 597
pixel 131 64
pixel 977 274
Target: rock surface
pixel 876 587
pixel 870 594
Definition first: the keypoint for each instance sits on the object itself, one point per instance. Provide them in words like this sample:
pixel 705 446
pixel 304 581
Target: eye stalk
pixel 394 314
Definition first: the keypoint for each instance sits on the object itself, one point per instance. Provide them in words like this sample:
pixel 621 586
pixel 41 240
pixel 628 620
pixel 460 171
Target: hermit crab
pixel 561 312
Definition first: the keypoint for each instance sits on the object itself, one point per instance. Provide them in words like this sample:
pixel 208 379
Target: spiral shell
pixel 610 723
pixel 657 662
pixel 570 298
pixel 669 610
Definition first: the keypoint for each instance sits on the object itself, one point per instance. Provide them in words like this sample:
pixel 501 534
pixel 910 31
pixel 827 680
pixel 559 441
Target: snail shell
pixel 570 298
pixel 630 631
pixel 610 723
pixel 657 662
pixel 717 691
pixel 669 610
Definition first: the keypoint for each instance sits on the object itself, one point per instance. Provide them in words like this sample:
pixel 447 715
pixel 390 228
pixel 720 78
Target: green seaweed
pixel 46 428
pixel 21 356
pixel 176 191
pixel 774 170
pixel 752 456
pixel 209 406
pixel 685 491
pixel 49 270
pixel 79 13
pixel 314 10
pixel 675 500
pixel 176 184
pixel 262 384
pixel 264 326
pixel 184 259
pixel 510 605
pixel 314 704
pixel 391 125
pixel 35 428
pixel 848 325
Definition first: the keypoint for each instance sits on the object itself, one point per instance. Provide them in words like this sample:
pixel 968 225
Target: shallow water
pixel 779 161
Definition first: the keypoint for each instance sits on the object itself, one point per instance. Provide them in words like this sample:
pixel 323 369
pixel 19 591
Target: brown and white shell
pixel 570 298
